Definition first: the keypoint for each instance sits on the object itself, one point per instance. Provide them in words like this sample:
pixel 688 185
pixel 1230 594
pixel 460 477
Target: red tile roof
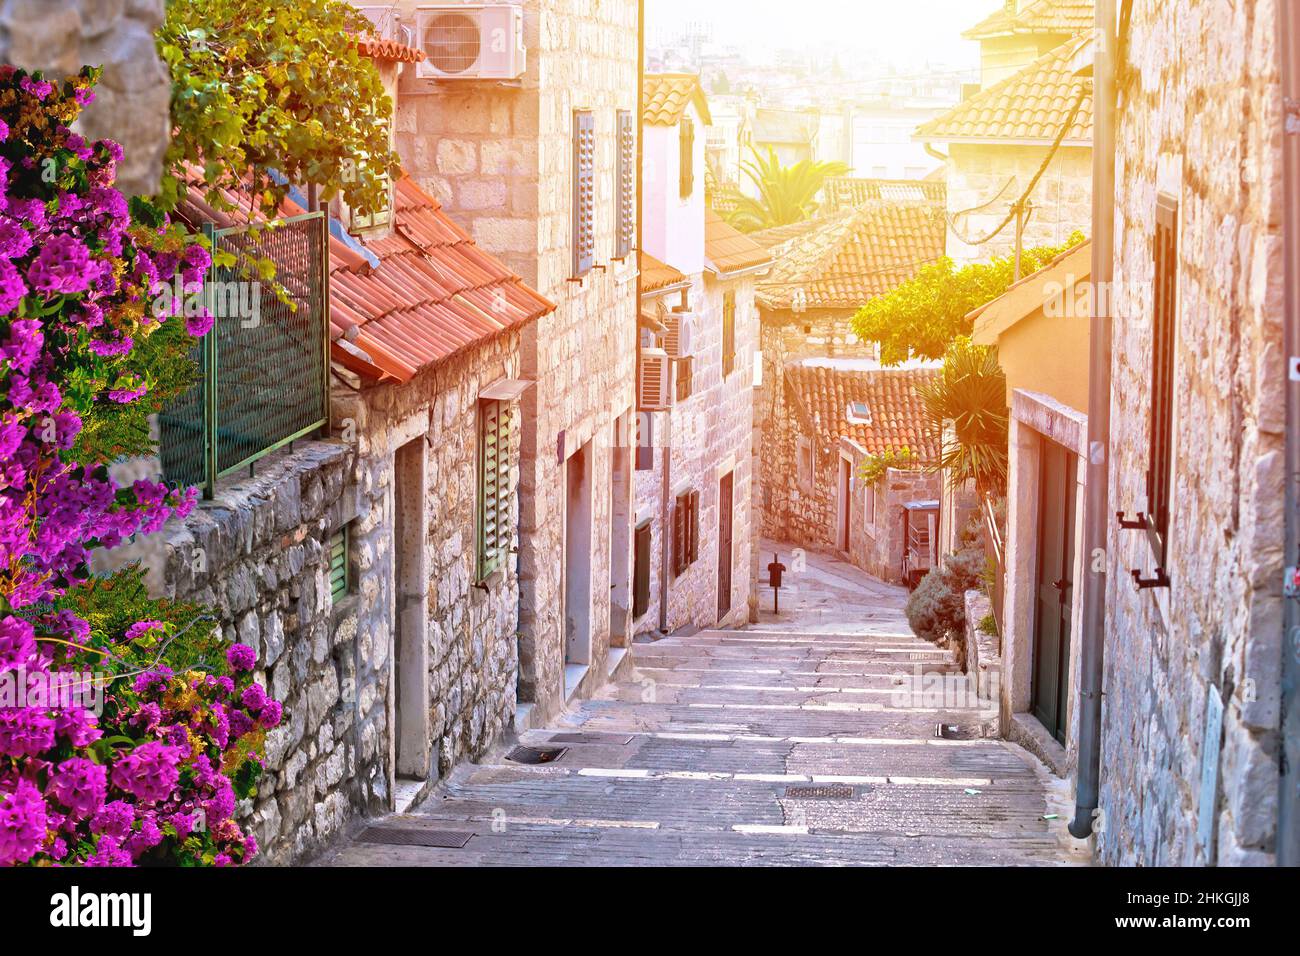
pixel 433 294
pixel 847 192
pixel 666 95
pixel 380 49
pixel 656 275
pixel 898 416
pixel 728 249
pixel 1029 106
pixel 855 257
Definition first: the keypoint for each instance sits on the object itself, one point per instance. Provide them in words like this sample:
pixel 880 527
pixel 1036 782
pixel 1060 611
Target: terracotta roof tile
pixel 855 257
pixel 728 249
pixel 847 192
pixel 1028 106
pixel 380 49
pixel 433 293
pixel 1066 17
pixel 898 416
pixel 656 275
pixel 666 95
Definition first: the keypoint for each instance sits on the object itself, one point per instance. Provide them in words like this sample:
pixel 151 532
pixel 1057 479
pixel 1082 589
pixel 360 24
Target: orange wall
pixel 1048 355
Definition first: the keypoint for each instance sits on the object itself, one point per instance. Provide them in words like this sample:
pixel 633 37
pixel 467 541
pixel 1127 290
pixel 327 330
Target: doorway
pixel 411 661
pixel 726 555
pixel 577 557
pixel 620 532
pixel 844 521
pixel 1054 587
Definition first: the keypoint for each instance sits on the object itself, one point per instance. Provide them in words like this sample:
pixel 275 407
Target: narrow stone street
pixel 781 744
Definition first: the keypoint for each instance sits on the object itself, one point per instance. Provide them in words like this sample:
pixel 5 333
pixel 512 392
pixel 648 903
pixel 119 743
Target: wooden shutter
pixel 1164 320
pixel 687 161
pixel 625 212
pixel 728 333
pixel 683 376
pixel 645 442
pixel 641 573
pixel 494 528
pixel 339 564
pixel 584 192
pixel 693 541
pixel 680 532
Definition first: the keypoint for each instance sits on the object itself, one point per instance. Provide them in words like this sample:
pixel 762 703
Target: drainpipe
pixel 1288 824
pixel 1097 500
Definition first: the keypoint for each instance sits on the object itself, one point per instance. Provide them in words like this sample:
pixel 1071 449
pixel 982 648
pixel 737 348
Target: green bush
pixel 936 610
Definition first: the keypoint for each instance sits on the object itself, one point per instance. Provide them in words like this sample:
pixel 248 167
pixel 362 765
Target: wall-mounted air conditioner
pixel 470 41
pixel 678 339
pixel 654 393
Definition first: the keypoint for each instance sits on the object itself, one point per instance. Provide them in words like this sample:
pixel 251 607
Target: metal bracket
pixel 1126 525
pixel 1161 580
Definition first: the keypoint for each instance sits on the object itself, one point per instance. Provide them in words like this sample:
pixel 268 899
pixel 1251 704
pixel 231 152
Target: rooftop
pixel 657 276
pixel 898 416
pixel 1065 17
pixel 1027 107
pixel 855 257
pixel 848 192
pixel 729 250
pixel 665 97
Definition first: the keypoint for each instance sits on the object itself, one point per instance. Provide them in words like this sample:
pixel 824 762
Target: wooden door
pixel 1055 588
pixel 725 555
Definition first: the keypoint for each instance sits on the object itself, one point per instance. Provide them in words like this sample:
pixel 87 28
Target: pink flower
pixel 63 266
pixel 150 771
pixel 81 786
pixel 22 823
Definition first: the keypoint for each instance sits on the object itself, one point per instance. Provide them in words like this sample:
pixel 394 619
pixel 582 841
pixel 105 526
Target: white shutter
pixel 655 391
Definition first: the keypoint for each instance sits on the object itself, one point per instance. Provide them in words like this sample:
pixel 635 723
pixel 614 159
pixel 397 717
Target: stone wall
pixel 132 99
pixel 979 174
pixel 876 538
pixel 1199 120
pixel 710 433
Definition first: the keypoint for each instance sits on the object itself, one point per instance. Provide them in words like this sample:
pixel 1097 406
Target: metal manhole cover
pixel 536 755
pixel 621 739
pixel 405 836
pixel 833 792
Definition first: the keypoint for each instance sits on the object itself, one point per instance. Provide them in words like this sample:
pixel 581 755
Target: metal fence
pixel 265 365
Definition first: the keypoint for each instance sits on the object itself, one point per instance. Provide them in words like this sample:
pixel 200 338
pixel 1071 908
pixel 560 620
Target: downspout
pixel 1288 823
pixel 1097 492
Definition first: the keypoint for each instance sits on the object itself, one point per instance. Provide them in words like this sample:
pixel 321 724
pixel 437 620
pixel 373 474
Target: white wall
pixel 673 229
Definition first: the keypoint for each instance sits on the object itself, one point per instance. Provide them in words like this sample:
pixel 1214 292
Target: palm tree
pixel 786 194
pixel 968 402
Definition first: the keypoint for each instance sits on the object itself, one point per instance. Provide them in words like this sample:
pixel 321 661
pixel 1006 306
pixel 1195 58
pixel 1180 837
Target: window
pixel 584 192
pixel 686 139
pixel 376 217
pixel 494 526
pixel 641 572
pixel 339 580
pixel 684 378
pixel 625 213
pixel 805 464
pixel 870 509
pixel 728 333
pixel 686 531
pixel 1164 318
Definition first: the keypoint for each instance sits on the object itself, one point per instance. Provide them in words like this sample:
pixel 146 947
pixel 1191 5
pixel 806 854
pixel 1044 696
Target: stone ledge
pixel 1026 731
pixel 983 657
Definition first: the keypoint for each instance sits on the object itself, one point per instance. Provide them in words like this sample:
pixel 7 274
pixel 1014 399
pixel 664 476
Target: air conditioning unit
pixel 470 41
pixel 654 392
pixel 677 340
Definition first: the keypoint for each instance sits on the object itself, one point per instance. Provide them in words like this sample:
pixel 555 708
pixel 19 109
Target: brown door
pixel 725 556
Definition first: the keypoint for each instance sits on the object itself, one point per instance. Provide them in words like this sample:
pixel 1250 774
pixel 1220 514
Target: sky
pixel 905 31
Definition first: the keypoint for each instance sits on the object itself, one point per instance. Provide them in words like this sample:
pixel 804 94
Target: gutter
pixel 1288 823
pixel 1097 490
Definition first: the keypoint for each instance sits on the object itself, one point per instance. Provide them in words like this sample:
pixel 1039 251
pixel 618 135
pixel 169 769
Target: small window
pixel 684 377
pixel 686 531
pixel 625 183
pixel 641 572
pixel 805 464
pixel 687 161
pixel 870 510
pixel 382 216
pixel 339 578
pixel 859 413
pixel 495 530
pixel 584 192
pixel 728 333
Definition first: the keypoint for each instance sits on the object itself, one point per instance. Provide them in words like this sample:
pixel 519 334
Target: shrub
pixel 936 610
pixel 127 731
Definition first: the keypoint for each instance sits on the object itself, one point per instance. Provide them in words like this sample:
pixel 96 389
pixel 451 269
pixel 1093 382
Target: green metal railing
pixel 265 365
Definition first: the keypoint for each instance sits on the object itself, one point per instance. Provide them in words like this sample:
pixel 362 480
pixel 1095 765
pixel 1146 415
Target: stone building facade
pixel 1199 134
pixel 501 158
pixel 133 98
pixel 696 424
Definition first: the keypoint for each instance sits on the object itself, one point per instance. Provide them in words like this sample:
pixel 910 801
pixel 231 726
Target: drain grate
pixel 536 755
pixel 833 792
pixel 953 732
pixel 621 739
pixel 405 836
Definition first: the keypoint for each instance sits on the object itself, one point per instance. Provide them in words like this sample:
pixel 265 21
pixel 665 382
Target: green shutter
pixel 494 529
pixel 339 564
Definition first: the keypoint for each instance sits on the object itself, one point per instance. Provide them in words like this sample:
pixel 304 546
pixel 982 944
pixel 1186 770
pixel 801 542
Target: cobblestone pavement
pixel 777 745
